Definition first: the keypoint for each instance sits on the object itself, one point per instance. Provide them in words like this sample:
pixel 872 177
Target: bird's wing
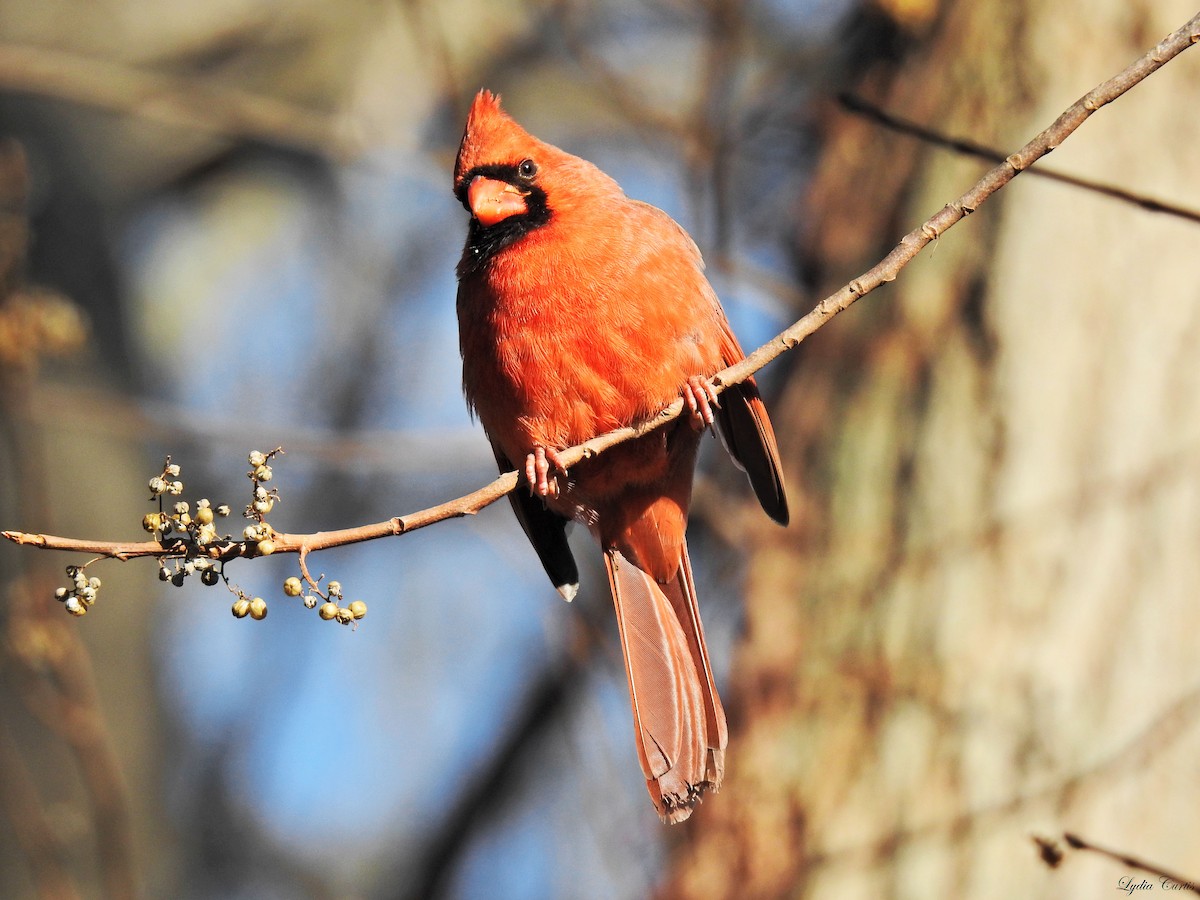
pixel 547 531
pixel 747 434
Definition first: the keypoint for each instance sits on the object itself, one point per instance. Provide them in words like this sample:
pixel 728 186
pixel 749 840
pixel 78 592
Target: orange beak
pixel 492 200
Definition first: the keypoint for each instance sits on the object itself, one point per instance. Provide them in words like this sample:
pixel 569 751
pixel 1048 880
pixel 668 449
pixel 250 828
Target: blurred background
pixel 229 226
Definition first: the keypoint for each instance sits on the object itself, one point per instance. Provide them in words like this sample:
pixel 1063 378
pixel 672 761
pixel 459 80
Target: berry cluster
pixel 331 609
pixel 192 545
pixel 193 529
pixel 81 595
pixel 259 532
pixel 255 607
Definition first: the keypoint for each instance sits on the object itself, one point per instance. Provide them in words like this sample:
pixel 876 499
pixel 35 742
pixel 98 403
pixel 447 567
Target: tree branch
pixel 886 270
pixel 173 100
pixel 870 111
pixel 1168 880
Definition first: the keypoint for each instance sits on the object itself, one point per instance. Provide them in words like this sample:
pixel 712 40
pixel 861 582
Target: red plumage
pixel 581 310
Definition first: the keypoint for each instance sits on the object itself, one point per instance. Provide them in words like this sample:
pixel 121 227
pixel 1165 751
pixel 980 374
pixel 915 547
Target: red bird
pixel 580 311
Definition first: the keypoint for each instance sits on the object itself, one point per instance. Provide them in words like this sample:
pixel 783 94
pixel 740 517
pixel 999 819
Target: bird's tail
pixel 679 725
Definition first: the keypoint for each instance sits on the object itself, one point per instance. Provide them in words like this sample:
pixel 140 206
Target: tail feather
pixel 679 723
pixel 681 591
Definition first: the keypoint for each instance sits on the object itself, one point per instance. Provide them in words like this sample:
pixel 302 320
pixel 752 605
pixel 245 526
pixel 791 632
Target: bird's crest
pixel 491 137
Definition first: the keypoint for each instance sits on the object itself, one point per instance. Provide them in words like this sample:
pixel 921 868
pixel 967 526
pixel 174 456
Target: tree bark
pixel 982 627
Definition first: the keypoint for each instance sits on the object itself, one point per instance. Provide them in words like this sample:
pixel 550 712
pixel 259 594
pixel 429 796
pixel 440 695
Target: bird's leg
pixel 537 471
pixel 699 397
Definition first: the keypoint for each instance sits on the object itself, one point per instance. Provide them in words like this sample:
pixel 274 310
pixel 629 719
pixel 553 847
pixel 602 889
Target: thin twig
pixel 886 270
pixel 172 100
pixel 1169 879
pixel 981 151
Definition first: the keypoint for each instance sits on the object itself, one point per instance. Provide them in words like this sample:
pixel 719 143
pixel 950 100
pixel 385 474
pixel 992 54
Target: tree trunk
pixel 983 626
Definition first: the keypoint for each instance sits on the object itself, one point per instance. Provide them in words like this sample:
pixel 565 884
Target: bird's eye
pixel 527 169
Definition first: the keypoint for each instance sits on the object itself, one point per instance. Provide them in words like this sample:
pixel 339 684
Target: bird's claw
pixel 537 471
pixel 699 397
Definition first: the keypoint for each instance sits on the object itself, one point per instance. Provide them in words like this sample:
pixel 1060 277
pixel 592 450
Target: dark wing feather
pixel 748 436
pixel 746 431
pixel 547 531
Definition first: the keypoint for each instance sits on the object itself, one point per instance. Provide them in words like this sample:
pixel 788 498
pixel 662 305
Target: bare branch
pixel 886 270
pixel 970 148
pixel 172 100
pixel 1169 880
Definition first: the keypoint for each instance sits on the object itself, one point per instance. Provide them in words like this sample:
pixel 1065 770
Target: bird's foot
pixel 538 465
pixel 699 398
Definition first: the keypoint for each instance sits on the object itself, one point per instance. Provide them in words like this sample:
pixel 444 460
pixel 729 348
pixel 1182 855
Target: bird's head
pixel 498 176
pixel 512 184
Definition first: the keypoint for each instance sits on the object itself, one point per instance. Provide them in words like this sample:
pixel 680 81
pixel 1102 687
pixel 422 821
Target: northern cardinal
pixel 579 311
